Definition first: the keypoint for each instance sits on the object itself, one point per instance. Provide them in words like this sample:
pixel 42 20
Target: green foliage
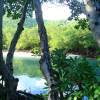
pixel 60 35
pixel 14 8
pixel 76 8
pixel 75 77
pixel 82 23
pixel 73 40
pixel 7 36
pixel 29 38
pixel 36 50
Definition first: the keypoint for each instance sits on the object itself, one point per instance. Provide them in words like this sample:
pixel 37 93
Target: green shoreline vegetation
pixel 60 35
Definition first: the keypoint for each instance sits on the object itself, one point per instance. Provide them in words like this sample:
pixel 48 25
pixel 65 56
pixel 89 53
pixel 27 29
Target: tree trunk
pixel 9 59
pixel 1 36
pixel 10 82
pixel 93 15
pixel 45 63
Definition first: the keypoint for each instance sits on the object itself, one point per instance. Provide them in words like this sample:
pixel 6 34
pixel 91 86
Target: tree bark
pixel 9 59
pixel 45 64
pixel 10 82
pixel 1 35
pixel 93 15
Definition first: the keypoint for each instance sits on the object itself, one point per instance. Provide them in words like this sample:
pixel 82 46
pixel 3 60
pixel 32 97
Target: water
pixel 27 65
pixel 32 85
pixel 27 70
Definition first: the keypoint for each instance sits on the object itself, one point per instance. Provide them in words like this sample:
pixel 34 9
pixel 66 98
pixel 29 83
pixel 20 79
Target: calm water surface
pixel 26 68
pixel 27 65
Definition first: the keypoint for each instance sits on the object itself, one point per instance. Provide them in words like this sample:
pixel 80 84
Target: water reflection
pixel 26 68
pixel 31 85
pixel 26 63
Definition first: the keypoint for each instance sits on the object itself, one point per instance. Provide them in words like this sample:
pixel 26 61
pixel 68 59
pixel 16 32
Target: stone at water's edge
pixel 32 85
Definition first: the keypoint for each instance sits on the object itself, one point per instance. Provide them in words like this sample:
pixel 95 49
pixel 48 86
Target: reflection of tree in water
pixel 28 66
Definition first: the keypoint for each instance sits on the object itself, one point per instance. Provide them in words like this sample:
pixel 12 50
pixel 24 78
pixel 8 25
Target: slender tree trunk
pixel 1 36
pixel 45 63
pixel 10 82
pixel 9 59
pixel 93 15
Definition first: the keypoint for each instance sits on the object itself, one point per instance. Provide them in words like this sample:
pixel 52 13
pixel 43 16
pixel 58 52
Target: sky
pixel 55 11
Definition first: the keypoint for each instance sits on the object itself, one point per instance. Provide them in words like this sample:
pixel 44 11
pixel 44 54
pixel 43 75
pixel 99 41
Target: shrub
pixel 73 40
pixel 75 77
pixel 28 40
pixel 7 36
pixel 60 35
pixel 36 50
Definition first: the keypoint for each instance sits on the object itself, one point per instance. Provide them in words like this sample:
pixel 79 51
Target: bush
pixel 28 40
pixel 74 41
pixel 75 77
pixel 7 36
pixel 36 50
pixel 60 35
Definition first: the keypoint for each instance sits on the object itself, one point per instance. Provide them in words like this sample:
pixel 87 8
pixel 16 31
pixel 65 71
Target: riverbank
pixel 21 54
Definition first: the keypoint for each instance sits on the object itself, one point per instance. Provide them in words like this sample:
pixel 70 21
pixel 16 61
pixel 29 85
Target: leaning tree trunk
pixel 10 82
pixel 93 15
pixel 9 59
pixel 45 63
